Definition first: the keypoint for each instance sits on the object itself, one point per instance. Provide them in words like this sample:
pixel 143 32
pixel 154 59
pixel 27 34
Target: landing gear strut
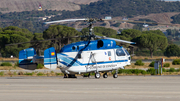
pixel 105 75
pixel 115 75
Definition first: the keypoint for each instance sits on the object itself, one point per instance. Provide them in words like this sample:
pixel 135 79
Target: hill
pixel 161 12
pixel 7 6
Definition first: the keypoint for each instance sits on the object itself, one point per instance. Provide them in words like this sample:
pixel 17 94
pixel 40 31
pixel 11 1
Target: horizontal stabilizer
pixel 50 59
pixel 26 59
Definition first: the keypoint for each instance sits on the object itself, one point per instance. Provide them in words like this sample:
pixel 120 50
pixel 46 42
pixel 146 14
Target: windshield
pixel 126 52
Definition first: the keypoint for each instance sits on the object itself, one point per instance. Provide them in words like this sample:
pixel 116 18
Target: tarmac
pixel 123 88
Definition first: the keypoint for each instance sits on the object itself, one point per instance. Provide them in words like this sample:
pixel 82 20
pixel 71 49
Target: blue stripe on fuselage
pixel 68 61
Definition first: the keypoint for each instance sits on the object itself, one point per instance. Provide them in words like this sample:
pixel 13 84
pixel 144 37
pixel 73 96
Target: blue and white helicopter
pixel 100 55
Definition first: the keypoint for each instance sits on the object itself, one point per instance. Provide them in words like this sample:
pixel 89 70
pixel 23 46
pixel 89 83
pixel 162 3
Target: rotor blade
pixel 156 23
pixel 118 40
pixel 39 41
pixel 58 21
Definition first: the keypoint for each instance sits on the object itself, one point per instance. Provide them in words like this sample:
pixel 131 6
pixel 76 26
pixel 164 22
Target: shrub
pixel 172 70
pixel 58 74
pixel 17 64
pixel 14 73
pixel 6 64
pixel 163 70
pixel 138 71
pixel 40 66
pixel 126 71
pixel 27 73
pixel 52 72
pixel 139 63
pixel 166 65
pixel 40 74
pixel 151 64
pixel 120 71
pixel 143 72
pixel 178 70
pixel 151 71
pixel 85 74
pixel 20 73
pixel 176 62
pixel 2 73
pixel 132 71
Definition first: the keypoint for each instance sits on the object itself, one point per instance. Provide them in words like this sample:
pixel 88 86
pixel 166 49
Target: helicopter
pixel 96 54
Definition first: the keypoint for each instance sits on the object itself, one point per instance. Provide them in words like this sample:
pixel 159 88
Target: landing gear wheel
pixel 65 76
pixel 71 76
pixel 105 75
pixel 89 75
pixel 115 75
pixel 97 75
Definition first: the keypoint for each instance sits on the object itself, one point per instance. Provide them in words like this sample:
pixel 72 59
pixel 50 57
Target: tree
pixel 153 42
pixel 39 45
pixel 130 34
pixel 158 32
pixel 13 34
pixel 172 50
pixel 138 27
pixel 61 32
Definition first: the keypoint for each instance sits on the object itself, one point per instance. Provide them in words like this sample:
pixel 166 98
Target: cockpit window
pixel 126 52
pixel 120 52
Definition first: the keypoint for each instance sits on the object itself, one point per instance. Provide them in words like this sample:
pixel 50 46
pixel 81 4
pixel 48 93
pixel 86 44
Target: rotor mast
pixel 90 26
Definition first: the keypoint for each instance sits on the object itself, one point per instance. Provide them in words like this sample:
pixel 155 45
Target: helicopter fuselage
pixel 92 56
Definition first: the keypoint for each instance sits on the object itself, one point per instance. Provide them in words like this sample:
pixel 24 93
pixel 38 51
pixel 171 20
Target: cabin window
pixel 109 53
pixel 120 52
pixel 100 44
pixel 73 48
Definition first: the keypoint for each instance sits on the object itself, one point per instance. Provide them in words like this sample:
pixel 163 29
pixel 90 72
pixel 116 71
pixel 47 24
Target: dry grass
pixel 7 6
pixel 10 68
pixel 154 57
pixel 146 66
pixel 8 59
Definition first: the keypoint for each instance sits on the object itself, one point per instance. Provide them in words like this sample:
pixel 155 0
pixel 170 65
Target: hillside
pixel 153 10
pixel 7 6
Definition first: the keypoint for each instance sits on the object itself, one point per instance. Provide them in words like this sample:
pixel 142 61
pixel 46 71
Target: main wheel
pixel 115 75
pixel 105 75
pixel 97 75
pixel 65 76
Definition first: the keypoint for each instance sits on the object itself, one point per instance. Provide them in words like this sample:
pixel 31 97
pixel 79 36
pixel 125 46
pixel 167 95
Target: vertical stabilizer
pixel 50 58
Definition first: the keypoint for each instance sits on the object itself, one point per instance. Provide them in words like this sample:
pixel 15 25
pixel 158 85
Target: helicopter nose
pixel 130 58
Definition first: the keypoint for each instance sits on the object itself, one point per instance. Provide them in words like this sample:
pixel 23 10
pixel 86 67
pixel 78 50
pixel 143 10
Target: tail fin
pixel 50 58
pixel 26 58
